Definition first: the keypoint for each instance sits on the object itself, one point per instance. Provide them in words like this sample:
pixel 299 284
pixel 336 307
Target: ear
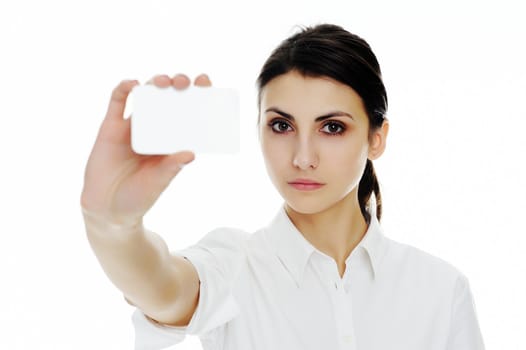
pixel 378 141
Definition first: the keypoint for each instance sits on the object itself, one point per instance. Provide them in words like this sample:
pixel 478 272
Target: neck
pixel 335 231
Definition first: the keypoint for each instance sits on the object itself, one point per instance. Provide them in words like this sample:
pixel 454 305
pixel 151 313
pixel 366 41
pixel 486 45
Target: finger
pixel 167 168
pixel 161 80
pixel 202 80
pixel 180 81
pixel 178 159
pixel 118 99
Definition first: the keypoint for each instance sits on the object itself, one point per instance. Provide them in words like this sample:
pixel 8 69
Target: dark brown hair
pixel 331 51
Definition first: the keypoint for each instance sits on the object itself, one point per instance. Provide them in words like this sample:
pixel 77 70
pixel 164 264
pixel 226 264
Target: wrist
pixel 112 225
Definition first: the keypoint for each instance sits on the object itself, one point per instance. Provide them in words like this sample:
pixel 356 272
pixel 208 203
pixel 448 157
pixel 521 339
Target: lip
pixel 305 184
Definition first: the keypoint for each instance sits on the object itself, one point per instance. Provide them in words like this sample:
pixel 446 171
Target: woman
pixel 321 274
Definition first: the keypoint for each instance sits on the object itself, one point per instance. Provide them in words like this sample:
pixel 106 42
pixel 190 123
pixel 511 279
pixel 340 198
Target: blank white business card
pixel 199 119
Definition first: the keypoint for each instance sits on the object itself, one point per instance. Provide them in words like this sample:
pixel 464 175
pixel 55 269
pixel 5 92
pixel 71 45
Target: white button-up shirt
pixel 273 289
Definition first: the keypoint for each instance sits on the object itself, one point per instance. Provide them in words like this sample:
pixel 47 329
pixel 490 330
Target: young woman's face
pixel 313 129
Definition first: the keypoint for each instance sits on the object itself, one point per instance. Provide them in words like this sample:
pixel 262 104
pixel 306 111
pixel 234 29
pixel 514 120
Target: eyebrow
pixel 318 119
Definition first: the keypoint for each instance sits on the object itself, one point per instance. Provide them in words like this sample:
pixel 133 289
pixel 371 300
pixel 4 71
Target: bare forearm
pixel 135 259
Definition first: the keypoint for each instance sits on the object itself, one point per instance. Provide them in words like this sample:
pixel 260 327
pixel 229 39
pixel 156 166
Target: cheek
pixel 274 151
pixel 343 149
pixel 348 159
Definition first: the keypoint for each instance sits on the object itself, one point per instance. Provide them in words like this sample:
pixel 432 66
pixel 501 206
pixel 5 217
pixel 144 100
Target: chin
pixel 311 205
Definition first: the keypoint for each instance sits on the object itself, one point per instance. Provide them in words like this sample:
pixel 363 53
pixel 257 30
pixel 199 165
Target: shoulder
pixel 225 237
pixel 421 266
pixel 217 256
pixel 219 246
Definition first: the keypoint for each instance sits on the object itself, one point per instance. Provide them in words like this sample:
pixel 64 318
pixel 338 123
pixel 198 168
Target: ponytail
pixel 368 185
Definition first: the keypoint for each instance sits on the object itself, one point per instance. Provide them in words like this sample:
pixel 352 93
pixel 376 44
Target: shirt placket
pixel 342 305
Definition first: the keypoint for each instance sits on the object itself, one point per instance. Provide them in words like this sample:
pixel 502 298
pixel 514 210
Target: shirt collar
pixel 294 250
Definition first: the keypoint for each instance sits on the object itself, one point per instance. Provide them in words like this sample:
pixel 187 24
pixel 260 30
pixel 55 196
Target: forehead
pixel 310 96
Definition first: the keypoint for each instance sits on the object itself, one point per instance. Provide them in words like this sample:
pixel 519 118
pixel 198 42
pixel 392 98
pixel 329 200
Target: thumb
pixel 164 171
pixel 153 176
pixel 173 163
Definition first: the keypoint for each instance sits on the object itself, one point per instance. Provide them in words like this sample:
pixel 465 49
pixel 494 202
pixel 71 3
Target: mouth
pixel 305 185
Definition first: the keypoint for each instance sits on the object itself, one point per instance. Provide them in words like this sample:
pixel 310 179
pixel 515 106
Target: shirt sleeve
pixel 217 258
pixel 465 332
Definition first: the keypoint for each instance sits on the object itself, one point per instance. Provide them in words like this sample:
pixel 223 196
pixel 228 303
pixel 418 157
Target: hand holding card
pixel 121 185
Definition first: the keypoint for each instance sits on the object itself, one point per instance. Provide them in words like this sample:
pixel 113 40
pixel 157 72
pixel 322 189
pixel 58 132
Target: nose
pixel 305 156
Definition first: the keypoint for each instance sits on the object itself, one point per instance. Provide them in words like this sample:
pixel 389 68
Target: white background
pixel 453 176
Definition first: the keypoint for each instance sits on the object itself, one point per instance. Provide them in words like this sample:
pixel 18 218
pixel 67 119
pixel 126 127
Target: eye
pixel 333 128
pixel 282 126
